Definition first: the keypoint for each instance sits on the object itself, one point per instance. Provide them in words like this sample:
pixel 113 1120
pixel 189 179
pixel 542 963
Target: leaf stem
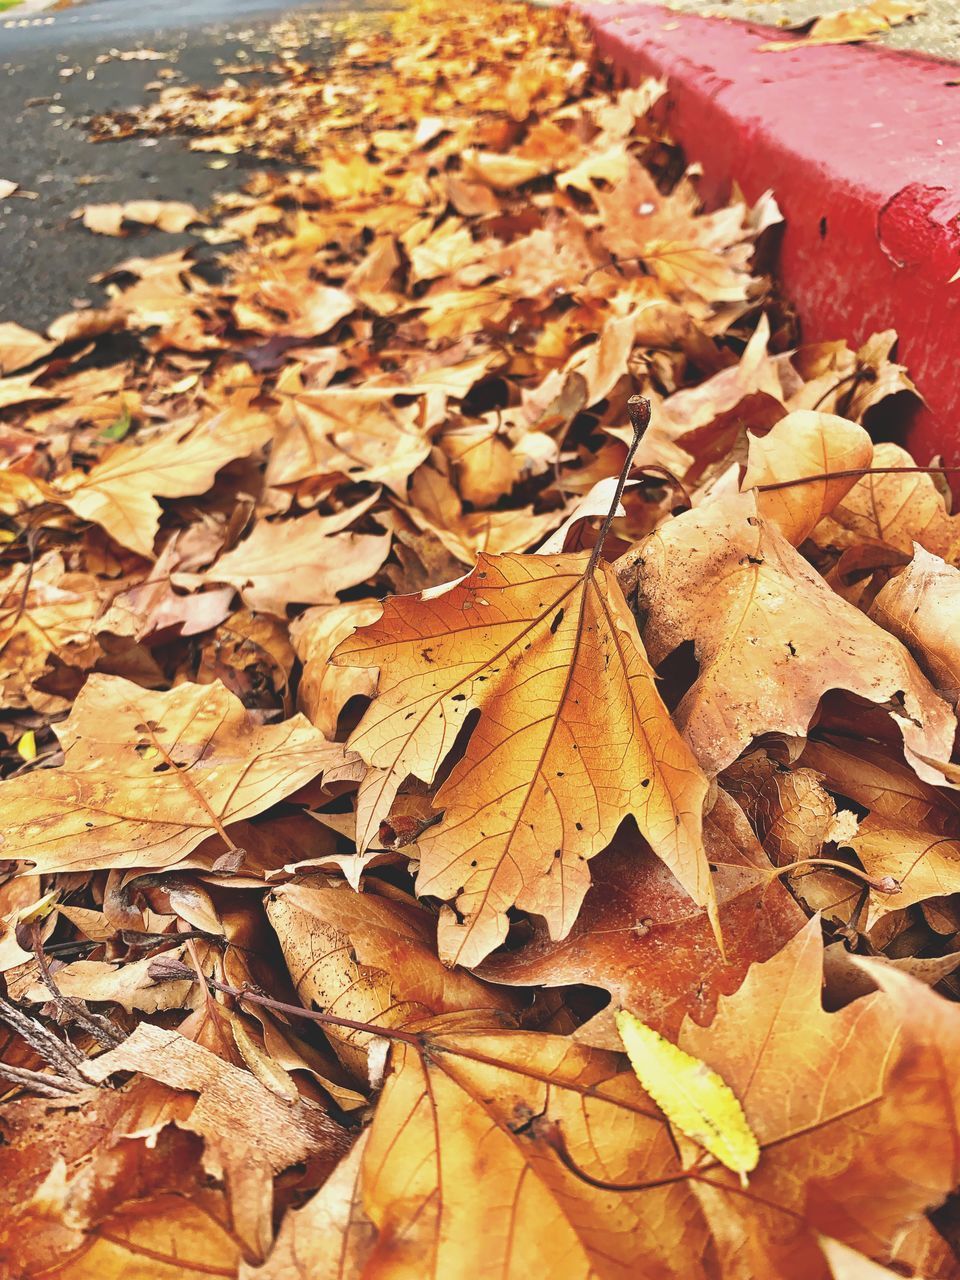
pixel 639 410
pixel 886 884
pixel 297 1011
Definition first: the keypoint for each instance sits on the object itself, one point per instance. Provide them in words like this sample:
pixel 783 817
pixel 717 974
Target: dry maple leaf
pixel 847 26
pixel 509 1151
pixel 873 778
pixel 454 1181
pixel 355 433
pixel 572 738
pixel 770 637
pixel 145 1234
pixel 147 776
pixel 844 1126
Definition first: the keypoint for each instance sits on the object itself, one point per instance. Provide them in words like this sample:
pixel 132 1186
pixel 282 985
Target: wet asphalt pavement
pixel 51 80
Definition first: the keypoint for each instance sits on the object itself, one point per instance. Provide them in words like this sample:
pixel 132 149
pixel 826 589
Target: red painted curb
pixel 861 146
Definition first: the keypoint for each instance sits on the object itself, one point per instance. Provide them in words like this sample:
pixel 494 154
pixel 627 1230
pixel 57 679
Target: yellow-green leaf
pixel 40 909
pixel 694 1099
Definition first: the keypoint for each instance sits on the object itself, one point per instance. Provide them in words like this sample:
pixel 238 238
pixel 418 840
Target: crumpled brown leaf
pixel 769 636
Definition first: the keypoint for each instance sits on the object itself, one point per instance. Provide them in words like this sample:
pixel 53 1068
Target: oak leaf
pixel 770 637
pixel 572 738
pixel 147 776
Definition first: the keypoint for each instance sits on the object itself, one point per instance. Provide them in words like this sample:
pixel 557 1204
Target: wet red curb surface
pixel 861 147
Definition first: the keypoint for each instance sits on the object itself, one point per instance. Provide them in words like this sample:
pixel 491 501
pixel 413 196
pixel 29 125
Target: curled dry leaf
pixel 922 863
pixel 893 510
pixel 848 26
pixel 572 738
pixel 146 776
pixel 371 960
pixel 921 607
pixel 268 567
pixel 234 1113
pixel 326 689
pixel 805 444
pixel 770 637
pixel 165 215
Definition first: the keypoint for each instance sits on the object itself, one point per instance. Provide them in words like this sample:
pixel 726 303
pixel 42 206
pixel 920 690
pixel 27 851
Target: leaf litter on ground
pixel 456 621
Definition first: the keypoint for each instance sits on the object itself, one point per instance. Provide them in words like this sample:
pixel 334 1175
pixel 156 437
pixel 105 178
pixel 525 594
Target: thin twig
pixel 61 1055
pixel 37 1082
pixel 882 884
pixel 330 1019
pixel 99 1027
pixel 639 410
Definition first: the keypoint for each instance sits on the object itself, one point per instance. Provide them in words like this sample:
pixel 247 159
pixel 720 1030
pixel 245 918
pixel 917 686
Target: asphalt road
pixel 51 81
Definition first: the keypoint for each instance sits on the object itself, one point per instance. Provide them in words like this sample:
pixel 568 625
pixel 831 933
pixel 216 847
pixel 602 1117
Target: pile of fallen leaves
pixel 393 720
